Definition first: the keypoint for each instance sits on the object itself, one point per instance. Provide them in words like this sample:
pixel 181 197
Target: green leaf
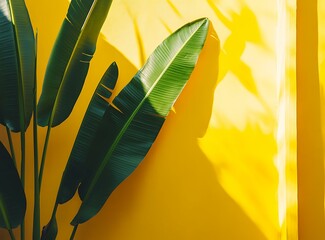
pixel 17 60
pixel 70 58
pixel 131 124
pixel 50 231
pixel 75 168
pixel 12 196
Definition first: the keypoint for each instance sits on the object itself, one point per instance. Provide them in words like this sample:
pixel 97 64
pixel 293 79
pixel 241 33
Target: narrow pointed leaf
pixel 17 60
pixel 12 196
pixel 76 169
pixel 131 124
pixel 70 58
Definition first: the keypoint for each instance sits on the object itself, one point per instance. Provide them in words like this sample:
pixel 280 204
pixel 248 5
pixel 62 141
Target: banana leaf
pixel 75 168
pixel 132 122
pixel 12 196
pixel 17 65
pixel 69 60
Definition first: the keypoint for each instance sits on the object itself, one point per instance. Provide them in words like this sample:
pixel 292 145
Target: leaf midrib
pixel 126 125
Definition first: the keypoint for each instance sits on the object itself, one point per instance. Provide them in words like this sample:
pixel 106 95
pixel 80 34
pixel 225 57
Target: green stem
pixel 23 155
pixel 54 210
pixel 12 150
pixel 74 232
pixel 11 233
pixel 47 138
pixel 37 211
pixel 22 176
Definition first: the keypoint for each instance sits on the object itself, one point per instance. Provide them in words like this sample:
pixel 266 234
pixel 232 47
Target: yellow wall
pixel 321 64
pixel 310 119
pixel 217 170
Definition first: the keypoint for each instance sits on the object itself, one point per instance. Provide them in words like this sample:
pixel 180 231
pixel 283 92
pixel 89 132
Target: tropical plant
pixel 114 136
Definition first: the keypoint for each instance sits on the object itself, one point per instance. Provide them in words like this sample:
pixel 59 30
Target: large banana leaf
pixel 131 124
pixel 75 169
pixel 12 196
pixel 69 60
pixel 17 61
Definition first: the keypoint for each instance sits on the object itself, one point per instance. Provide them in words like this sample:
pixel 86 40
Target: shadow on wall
pixel 175 194
pixel 244 29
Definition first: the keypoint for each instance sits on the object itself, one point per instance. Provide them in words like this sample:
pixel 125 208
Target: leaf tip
pixel 50 231
pixel 205 21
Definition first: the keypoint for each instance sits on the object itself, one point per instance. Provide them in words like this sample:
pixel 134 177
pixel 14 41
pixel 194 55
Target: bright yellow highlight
pixel 212 173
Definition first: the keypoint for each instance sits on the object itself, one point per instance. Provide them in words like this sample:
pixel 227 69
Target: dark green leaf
pixel 17 60
pixel 131 124
pixel 50 231
pixel 70 58
pixel 12 196
pixel 75 169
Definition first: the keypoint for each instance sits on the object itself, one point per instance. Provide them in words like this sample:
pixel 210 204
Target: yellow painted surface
pixel 310 119
pixel 215 170
pixel 321 62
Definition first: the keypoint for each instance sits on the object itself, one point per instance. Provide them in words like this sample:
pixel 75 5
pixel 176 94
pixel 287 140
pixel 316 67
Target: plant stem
pixel 74 232
pixel 12 236
pixel 37 211
pixel 12 150
pixel 22 176
pixel 47 138
pixel 54 209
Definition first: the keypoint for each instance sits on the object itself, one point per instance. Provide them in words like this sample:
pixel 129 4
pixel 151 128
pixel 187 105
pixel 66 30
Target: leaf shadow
pixel 244 30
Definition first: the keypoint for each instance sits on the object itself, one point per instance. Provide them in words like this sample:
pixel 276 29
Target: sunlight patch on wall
pixel 241 140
